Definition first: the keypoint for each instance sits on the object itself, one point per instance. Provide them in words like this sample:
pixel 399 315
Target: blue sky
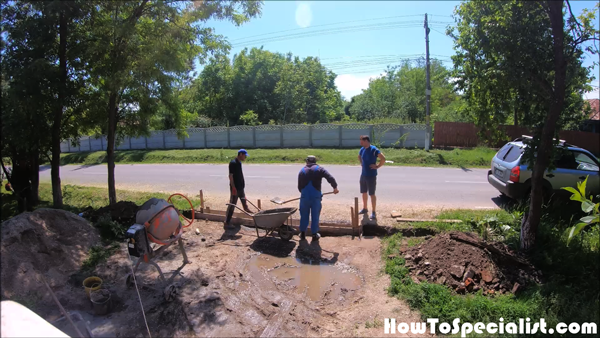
pixel 356 39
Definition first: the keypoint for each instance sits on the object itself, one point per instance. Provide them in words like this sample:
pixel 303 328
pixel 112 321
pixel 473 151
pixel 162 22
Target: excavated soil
pixel 465 263
pixel 46 241
pixel 123 212
pixel 239 285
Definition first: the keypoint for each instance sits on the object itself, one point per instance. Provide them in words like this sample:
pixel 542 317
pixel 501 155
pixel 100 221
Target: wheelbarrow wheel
pixel 286 232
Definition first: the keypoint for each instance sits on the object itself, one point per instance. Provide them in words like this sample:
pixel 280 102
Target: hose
pixel 191 206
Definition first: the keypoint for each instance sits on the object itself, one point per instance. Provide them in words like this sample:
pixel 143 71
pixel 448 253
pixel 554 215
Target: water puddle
pixel 317 278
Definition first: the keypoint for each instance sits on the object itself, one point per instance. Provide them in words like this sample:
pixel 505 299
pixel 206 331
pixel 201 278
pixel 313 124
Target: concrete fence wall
pixel 266 136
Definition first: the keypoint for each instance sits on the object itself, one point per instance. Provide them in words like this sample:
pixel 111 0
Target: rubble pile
pixel 465 263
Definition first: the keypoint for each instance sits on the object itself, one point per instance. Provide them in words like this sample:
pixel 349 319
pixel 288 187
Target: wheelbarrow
pixel 271 220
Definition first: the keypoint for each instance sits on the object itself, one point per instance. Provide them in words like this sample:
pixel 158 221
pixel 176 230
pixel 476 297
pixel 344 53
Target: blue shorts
pixel 368 184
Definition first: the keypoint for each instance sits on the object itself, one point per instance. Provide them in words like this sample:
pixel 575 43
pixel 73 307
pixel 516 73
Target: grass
pixel 77 198
pixel 570 293
pixel 466 158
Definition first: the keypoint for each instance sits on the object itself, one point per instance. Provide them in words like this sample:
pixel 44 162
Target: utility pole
pixel 428 85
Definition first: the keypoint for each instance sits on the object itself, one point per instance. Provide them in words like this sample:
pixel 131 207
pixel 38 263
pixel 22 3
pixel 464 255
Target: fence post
pixel 69 145
pixel 254 137
pixel 164 140
pixel 184 139
pixel 427 137
pixel 280 136
pixel 79 145
pixel 101 143
pixel 371 135
pixel 228 138
pixel 310 131
pixel 205 143
pixel 90 142
pixel 340 135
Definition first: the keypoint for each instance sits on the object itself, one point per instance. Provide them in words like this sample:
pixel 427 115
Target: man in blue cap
pixel 309 185
pixel 236 184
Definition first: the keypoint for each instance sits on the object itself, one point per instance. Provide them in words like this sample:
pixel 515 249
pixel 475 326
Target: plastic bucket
pixel 92 284
pixel 101 300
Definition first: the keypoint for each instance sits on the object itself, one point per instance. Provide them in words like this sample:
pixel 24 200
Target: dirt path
pixel 238 285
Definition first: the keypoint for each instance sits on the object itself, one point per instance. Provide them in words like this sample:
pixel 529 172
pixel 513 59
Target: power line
pixel 329 24
pixel 368 27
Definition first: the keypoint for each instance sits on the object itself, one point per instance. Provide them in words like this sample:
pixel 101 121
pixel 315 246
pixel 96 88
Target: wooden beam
pixel 353 221
pixel 396 214
pixel 415 220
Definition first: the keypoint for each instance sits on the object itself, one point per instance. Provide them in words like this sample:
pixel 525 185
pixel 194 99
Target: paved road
pixel 435 187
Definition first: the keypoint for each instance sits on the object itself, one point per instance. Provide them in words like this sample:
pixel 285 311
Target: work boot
pixel 316 236
pixel 363 212
pixel 302 235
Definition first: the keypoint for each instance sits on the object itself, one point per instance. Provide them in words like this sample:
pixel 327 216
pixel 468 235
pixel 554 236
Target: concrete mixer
pixel 157 221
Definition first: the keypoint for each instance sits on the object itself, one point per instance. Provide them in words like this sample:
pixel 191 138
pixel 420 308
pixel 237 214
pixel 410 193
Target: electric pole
pixel 427 86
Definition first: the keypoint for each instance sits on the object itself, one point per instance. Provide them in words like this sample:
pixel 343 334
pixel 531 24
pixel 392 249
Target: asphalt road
pixel 415 186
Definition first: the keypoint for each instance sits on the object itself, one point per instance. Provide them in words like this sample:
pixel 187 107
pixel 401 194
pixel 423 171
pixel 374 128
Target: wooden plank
pixel 201 201
pixel 396 214
pixel 428 220
pixel 277 319
pixel 258 204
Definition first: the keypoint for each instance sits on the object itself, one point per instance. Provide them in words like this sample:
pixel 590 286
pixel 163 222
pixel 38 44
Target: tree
pixel 142 52
pixel 276 87
pixel 524 50
pixel 40 66
pixel 399 95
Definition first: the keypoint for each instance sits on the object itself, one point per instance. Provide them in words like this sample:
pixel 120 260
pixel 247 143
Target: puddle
pixel 313 276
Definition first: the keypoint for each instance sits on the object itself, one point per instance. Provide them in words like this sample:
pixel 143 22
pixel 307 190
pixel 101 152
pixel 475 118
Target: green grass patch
pixel 466 158
pixel 97 255
pixel 77 198
pixel 570 293
pixel 414 241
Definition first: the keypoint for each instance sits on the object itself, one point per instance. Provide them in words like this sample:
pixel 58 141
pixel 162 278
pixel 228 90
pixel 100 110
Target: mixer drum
pixel 163 225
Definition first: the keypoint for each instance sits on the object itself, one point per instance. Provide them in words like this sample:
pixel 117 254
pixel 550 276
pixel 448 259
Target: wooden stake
pixel 201 201
pixel 353 221
pixel 258 204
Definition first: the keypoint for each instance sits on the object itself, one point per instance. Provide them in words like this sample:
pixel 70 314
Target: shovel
pixel 279 201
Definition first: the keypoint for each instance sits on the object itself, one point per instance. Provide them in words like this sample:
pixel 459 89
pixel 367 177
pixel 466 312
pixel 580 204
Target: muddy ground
pixel 241 285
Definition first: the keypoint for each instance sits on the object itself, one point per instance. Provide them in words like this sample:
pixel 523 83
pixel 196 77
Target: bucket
pixel 101 301
pixel 91 284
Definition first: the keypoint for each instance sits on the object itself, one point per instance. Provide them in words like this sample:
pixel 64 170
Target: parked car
pixel 513 178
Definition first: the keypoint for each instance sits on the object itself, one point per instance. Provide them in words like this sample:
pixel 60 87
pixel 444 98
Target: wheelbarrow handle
pixel 242 210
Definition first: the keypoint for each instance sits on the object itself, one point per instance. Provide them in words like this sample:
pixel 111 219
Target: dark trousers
pixel 233 200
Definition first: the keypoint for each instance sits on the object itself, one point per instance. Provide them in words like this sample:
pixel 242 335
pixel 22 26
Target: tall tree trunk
pixel 532 221
pixel 35 178
pixel 110 148
pixel 57 199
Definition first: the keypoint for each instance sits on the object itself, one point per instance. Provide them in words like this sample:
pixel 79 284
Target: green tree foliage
pixel 141 55
pixel 41 64
pixel 524 56
pixel 399 95
pixel 276 87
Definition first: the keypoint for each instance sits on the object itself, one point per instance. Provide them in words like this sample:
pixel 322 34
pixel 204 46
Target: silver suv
pixel 513 178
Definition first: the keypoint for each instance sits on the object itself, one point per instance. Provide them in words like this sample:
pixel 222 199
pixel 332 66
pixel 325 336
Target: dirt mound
pixel 122 212
pixel 467 264
pixel 48 241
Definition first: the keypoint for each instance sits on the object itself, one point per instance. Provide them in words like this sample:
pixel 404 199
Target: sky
pixel 355 39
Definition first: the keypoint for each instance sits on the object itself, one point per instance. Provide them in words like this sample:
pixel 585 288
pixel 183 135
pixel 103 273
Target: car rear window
pixel 513 154
pixel 502 152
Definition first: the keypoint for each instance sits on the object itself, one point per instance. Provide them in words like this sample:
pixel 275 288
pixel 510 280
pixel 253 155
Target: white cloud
pixel 350 85
pixel 592 95
pixel 303 15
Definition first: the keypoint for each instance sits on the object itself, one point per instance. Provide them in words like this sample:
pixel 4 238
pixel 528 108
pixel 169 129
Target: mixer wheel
pixel 171 292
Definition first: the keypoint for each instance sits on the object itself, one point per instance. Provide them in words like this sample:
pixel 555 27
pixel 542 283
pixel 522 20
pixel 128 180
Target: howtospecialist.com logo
pixel 524 326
